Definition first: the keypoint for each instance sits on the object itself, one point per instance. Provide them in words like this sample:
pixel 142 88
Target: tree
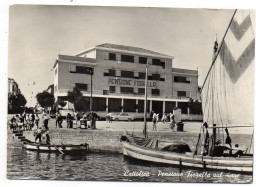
pixel 78 100
pixel 195 106
pixel 16 103
pixel 45 99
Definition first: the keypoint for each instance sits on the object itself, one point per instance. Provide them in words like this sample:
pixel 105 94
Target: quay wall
pixel 109 141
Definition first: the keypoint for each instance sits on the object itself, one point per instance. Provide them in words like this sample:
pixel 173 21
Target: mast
pixel 214 59
pixel 145 101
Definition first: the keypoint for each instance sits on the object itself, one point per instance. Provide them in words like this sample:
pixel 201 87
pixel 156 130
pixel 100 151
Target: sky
pixel 38 33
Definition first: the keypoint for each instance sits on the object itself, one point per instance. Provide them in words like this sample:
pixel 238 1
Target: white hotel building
pixel 118 79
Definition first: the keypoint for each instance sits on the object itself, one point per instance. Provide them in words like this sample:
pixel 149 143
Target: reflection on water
pixel 23 164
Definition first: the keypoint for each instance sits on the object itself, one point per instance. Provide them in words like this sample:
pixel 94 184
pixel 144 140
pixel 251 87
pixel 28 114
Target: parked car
pixel 122 117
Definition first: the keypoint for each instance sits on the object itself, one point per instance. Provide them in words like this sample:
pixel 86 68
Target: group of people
pixel 24 122
pixel 59 120
pixel 155 119
pixel 92 117
pixel 81 122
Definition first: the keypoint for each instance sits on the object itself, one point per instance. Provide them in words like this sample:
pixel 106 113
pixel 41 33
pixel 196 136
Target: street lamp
pixel 145 101
pixel 91 71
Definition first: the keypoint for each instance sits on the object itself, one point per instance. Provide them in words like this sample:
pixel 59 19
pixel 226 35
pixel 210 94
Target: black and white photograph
pixel 130 94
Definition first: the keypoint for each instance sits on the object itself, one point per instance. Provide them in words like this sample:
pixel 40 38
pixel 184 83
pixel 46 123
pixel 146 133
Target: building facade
pixel 118 80
pixel 13 87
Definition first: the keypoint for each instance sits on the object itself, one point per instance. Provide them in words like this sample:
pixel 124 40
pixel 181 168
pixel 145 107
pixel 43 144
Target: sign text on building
pixel 128 82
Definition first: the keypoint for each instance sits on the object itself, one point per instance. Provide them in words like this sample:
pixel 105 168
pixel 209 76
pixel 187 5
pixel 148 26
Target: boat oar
pixel 58 149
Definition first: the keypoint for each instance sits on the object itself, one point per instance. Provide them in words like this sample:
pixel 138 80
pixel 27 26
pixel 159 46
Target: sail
pixel 228 91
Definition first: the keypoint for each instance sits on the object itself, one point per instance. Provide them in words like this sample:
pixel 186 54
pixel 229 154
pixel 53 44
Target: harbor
pixel 105 148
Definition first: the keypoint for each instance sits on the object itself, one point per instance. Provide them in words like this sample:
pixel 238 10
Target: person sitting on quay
pixel 59 120
pixel 83 121
pixel 69 121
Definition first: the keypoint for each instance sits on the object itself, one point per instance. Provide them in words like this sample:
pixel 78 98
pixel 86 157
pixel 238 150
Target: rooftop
pixel 129 49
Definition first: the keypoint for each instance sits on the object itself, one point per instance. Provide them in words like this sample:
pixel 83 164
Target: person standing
pixel 38 135
pixel 154 121
pixel 172 122
pixel 151 115
pixel 164 118
pixel 48 139
pixel 69 121
pixel 59 120
pixel 45 121
pixel 37 119
pixel 107 118
pixel 92 117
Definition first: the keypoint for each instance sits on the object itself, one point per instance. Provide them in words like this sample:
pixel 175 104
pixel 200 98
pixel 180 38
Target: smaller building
pixel 13 87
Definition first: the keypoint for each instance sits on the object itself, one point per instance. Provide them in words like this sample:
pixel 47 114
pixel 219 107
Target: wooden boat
pixel 230 79
pixel 63 149
pixel 236 163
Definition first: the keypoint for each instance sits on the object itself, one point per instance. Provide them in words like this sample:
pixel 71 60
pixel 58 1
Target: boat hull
pixel 72 149
pixel 188 160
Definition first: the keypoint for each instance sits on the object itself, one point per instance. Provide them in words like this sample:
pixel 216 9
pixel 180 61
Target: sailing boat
pixel 227 100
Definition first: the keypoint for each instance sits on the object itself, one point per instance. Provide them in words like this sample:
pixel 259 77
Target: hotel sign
pixel 127 82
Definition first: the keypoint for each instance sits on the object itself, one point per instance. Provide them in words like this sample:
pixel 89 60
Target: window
pixel 142 60
pixel 127 74
pixel 112 56
pixel 141 91
pixel 81 86
pixel 163 65
pixel 83 70
pixel 127 58
pixel 156 62
pixel 127 90
pixel 181 93
pixel 156 92
pixel 181 79
pixel 105 92
pixel 141 75
pixel 110 72
pixel 156 76
pixel 112 89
